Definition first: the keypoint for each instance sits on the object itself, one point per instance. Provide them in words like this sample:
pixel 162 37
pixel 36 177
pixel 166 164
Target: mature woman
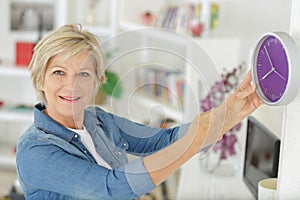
pixel 72 151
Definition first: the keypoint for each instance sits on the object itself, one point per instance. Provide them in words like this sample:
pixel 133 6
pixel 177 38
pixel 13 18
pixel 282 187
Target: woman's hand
pixel 241 103
pixel 205 129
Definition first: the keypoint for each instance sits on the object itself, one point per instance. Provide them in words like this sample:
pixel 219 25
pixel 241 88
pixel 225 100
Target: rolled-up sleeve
pixel 182 130
pixel 138 177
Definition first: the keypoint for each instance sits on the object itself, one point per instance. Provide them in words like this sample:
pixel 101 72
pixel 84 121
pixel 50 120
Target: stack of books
pixel 162 84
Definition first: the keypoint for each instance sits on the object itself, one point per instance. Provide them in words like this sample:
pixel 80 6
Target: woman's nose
pixel 71 82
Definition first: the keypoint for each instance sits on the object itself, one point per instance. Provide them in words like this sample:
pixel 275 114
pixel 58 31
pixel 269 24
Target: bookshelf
pixel 196 18
pixel 153 57
pixel 16 92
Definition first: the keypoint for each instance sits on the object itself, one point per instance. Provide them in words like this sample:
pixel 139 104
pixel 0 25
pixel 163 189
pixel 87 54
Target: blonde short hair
pixel 70 40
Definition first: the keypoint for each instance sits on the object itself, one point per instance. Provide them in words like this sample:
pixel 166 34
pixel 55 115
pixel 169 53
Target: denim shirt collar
pixel 89 114
pixel 49 125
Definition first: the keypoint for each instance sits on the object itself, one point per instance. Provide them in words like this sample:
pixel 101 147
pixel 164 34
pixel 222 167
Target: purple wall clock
pixel 275 63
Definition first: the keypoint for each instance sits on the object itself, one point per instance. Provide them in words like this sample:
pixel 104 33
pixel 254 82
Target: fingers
pixel 247 80
pixel 245 92
pixel 245 88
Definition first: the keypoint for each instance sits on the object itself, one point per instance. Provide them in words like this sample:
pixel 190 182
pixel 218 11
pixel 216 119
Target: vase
pixel 90 18
pixel 217 164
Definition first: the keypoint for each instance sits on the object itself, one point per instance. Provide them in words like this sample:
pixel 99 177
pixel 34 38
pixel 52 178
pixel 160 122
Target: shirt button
pixel 75 136
pixel 85 151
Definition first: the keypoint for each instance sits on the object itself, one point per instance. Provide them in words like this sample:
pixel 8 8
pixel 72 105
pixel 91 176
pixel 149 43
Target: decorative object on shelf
pixel 196 27
pixel 147 18
pixel 90 18
pixel 223 158
pixel 275 68
pixel 24 52
pixel 112 87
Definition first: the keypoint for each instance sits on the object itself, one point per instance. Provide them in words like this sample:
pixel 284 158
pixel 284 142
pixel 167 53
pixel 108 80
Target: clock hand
pixel 279 75
pixel 269 57
pixel 265 76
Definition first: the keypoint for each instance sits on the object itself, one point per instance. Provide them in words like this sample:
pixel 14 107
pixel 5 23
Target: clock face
pixel 272 68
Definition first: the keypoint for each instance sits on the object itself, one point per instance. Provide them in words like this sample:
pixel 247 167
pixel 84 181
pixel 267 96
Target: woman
pixel 74 152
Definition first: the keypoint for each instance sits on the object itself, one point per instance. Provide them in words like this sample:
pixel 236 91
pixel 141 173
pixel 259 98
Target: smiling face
pixel 69 85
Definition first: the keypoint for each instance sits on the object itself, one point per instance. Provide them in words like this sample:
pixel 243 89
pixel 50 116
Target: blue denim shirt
pixel 52 163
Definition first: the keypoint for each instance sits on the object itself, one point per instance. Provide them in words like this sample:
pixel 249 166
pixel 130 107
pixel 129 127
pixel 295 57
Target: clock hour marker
pixel 273 97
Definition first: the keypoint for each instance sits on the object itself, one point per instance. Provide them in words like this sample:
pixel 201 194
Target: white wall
pixel 289 174
pixel 249 19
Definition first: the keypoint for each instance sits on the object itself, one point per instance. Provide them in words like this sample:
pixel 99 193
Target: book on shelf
pixel 181 17
pixel 162 84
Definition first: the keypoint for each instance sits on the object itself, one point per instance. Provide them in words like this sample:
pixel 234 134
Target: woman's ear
pixel 41 86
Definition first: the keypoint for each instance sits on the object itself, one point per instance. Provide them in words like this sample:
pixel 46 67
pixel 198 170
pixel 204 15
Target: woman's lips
pixel 69 98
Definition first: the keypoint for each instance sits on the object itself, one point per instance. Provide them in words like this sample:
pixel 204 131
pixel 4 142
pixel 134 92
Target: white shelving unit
pixel 222 53
pixel 15 116
pixel 16 90
pixel 11 71
pixel 7 156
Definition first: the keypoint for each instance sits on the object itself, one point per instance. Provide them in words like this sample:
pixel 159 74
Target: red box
pixel 24 52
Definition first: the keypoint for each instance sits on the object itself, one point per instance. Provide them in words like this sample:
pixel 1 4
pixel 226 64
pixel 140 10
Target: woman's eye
pixel 83 74
pixel 58 72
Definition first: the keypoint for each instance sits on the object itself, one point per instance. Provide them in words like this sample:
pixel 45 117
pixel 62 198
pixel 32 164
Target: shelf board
pixel 128 26
pixel 16 116
pixel 99 30
pixel 7 157
pixel 170 111
pixel 14 71
pixel 7 161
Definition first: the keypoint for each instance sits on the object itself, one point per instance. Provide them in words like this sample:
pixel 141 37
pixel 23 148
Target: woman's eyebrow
pixel 86 68
pixel 58 66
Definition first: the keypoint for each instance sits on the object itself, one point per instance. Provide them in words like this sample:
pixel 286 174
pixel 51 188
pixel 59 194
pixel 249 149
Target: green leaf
pixel 112 86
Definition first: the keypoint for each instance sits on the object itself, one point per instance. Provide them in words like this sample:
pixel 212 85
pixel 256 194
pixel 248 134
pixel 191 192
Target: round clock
pixel 275 64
